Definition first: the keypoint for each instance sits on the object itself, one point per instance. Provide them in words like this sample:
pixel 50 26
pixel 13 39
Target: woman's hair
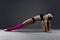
pixel 45 13
pixel 49 18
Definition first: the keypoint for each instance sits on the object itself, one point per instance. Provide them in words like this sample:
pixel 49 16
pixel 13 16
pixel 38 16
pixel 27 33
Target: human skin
pixel 43 22
pixel 46 26
pixel 36 18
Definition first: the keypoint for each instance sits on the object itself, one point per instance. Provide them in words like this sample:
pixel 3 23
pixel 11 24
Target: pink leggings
pixel 15 27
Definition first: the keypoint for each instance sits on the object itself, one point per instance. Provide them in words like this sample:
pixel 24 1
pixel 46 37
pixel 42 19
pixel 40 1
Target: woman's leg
pixel 30 21
pixel 26 22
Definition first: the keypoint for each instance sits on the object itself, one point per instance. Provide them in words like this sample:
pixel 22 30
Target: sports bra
pixel 41 15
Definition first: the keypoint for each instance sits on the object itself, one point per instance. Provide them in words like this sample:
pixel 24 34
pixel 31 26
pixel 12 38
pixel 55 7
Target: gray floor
pixel 27 34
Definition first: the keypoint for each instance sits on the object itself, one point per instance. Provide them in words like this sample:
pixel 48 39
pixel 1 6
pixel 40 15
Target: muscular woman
pixel 44 18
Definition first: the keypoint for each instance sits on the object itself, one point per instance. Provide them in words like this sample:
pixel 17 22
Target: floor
pixel 29 34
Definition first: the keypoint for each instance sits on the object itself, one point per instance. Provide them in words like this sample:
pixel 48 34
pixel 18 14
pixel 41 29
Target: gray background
pixel 12 12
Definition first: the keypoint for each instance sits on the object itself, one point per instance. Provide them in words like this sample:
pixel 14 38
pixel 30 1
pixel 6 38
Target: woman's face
pixel 50 16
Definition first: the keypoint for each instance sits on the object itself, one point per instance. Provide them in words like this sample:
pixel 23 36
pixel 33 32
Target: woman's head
pixel 50 16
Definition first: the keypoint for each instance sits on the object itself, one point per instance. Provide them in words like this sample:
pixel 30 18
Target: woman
pixel 45 20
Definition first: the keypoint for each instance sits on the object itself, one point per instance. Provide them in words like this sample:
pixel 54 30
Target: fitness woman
pixel 44 18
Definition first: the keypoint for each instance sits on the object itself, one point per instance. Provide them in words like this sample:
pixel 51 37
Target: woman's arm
pixel 47 24
pixel 44 25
